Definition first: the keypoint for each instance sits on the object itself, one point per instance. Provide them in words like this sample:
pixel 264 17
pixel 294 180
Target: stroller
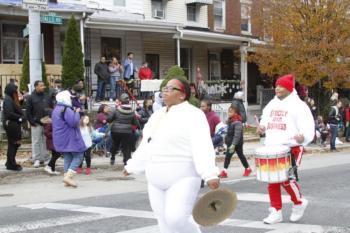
pixel 100 139
pixel 218 138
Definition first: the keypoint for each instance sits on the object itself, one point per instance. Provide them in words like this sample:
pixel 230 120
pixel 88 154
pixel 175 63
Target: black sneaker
pixel 112 161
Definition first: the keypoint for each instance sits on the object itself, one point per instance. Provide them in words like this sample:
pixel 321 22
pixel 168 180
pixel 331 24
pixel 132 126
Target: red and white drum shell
pixel 272 163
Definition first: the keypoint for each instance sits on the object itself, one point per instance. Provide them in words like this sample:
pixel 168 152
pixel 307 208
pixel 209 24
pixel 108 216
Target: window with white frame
pixel 12 43
pixel 119 2
pixel 245 18
pixel 192 12
pixel 157 9
pixel 219 15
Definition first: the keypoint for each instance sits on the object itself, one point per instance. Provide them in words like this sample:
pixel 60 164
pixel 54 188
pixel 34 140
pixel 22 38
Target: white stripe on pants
pixel 173 189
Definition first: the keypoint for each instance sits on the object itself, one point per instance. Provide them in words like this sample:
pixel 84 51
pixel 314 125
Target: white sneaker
pixel 274 217
pixel 36 164
pixel 48 169
pixel 298 211
pixel 56 173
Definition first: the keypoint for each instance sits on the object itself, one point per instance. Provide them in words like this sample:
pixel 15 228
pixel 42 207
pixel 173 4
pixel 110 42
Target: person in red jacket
pixel 145 73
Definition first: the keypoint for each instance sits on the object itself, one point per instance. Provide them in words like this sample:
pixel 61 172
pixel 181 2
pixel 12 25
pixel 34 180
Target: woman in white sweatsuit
pixel 176 152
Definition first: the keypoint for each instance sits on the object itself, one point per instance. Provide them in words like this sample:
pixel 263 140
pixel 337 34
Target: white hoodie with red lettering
pixel 283 119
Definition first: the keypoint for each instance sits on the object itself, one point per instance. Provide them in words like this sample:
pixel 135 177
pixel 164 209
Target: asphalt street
pixel 104 203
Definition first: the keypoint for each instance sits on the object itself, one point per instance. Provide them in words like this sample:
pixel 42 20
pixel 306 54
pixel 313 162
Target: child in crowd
pixel 322 130
pixel 51 166
pixel 234 141
pixel 86 133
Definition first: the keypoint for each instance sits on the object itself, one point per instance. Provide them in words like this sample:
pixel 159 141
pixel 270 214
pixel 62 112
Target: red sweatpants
pixel 291 187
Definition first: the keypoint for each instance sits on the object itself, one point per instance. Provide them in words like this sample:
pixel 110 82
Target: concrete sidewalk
pixel 102 162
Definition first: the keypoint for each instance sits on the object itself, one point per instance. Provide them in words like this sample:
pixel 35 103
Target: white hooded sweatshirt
pixel 178 135
pixel 283 119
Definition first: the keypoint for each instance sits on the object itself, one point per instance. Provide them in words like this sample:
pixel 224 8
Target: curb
pixel 119 167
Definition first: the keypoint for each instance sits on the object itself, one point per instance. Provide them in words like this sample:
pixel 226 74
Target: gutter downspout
pixel 178 45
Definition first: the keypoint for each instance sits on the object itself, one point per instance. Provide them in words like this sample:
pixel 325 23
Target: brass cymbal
pixel 214 207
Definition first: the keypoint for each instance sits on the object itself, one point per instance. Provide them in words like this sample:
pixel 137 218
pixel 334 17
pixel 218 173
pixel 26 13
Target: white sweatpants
pixel 173 189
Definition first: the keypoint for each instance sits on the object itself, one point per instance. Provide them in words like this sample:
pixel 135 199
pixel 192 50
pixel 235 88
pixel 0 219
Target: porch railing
pixel 220 89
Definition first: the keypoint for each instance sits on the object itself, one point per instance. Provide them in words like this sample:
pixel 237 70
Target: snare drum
pixel 272 163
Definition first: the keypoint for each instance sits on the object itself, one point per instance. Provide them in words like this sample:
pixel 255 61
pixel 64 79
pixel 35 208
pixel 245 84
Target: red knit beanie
pixel 286 81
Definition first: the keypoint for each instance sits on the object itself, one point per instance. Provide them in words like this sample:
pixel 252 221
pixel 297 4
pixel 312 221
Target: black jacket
pixel 123 120
pixel 238 103
pixel 101 70
pixel 37 105
pixel 145 114
pixel 333 117
pixel 11 111
pixel 234 134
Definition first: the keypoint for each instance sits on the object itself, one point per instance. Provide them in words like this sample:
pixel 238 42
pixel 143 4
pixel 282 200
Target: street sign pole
pixel 35 54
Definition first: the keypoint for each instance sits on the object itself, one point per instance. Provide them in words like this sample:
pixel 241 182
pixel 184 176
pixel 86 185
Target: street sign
pixel 38 5
pixel 26 31
pixel 51 18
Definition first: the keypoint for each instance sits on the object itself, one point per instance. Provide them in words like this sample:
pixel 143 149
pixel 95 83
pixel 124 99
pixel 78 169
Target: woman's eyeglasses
pixel 170 88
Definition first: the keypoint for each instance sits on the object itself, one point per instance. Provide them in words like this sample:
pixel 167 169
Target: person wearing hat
pixel 287 120
pixel 176 152
pixel 123 120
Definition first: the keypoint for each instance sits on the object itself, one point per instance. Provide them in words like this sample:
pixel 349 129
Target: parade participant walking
pixel 175 153
pixel 101 70
pixel 287 120
pixel 37 103
pixel 66 136
pixel 234 141
pixel 12 120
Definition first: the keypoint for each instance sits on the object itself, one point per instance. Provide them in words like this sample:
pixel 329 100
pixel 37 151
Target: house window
pixel 245 18
pixel 219 14
pixel 12 43
pixel 192 12
pixel 157 9
pixel 214 66
pixel 119 2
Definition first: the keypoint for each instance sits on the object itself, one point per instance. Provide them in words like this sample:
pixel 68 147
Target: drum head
pixel 214 207
pixel 272 151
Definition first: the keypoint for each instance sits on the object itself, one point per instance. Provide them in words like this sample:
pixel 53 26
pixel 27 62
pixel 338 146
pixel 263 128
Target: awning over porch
pixel 129 22
pixel 205 2
pixel 210 37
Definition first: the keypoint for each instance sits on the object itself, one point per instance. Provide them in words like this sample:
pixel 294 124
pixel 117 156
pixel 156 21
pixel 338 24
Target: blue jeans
pixel 334 134
pixel 100 95
pixel 72 160
pixel 112 84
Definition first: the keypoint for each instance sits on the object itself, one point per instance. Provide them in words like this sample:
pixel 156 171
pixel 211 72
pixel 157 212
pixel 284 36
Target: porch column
pixel 178 51
pixel 244 74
